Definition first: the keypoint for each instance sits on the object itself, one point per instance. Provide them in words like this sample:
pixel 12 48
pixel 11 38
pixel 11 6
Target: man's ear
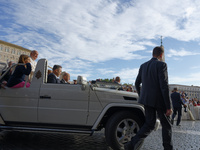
pixel 160 57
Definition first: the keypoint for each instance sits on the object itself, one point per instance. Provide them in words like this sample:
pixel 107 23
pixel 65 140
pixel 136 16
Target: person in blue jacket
pixel 17 79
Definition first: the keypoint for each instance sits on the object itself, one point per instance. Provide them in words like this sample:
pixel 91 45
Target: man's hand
pixel 185 105
pixel 169 112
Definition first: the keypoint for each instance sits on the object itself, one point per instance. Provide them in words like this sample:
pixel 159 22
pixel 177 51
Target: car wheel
pixel 120 128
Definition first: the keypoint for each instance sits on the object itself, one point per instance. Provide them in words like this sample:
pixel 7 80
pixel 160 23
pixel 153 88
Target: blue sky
pixel 107 38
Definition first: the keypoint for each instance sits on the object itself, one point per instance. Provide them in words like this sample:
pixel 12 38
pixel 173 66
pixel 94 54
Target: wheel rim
pixel 126 129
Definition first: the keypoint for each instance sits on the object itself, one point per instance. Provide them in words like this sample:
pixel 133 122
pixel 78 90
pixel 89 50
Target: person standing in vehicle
pixel 33 56
pixel 177 106
pixel 154 95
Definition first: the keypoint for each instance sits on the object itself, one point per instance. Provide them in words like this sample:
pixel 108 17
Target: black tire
pixel 120 128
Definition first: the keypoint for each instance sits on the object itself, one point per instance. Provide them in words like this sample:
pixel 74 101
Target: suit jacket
pixel 63 81
pixel 52 78
pixel 155 90
pixel 176 100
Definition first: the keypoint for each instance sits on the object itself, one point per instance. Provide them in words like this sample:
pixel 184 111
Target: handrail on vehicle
pixel 3 64
pixel 14 65
pixel 50 67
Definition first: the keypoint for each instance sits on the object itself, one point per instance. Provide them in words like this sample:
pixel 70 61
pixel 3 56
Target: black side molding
pixel 130 98
pixel 45 97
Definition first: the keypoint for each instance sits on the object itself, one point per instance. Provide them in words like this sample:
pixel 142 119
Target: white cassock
pixel 33 66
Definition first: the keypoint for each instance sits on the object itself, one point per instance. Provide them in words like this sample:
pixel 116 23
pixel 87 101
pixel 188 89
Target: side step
pixel 31 129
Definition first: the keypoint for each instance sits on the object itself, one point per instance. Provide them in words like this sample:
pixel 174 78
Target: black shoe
pixel 137 146
pixel 128 146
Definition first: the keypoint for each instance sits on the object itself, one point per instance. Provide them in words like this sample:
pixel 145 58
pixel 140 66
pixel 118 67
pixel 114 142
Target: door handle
pixel 45 97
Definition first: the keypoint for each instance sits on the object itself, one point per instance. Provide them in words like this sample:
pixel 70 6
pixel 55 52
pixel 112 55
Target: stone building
pixel 191 91
pixel 11 52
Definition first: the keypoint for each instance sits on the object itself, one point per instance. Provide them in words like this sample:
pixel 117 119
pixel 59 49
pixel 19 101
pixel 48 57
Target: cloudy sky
pixel 107 38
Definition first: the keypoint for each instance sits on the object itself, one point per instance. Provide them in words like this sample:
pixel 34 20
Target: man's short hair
pixel 175 89
pixel 33 51
pixel 157 51
pixel 56 67
pixel 65 74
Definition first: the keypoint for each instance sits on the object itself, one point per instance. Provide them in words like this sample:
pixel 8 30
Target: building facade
pixel 191 91
pixel 11 52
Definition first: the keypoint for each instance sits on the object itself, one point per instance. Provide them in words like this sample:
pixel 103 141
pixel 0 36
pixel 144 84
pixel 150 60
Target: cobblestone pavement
pixel 185 137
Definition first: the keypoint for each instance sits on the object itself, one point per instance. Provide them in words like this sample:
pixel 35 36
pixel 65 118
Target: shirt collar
pixel 55 76
pixel 154 58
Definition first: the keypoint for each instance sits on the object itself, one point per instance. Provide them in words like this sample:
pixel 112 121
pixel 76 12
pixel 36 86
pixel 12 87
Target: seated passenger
pixel 117 80
pixel 65 78
pixel 54 76
pixel 17 79
pixel 75 81
pixel 49 71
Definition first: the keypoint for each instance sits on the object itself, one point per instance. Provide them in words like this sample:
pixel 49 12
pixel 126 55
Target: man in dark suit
pixel 154 95
pixel 53 77
pixel 177 106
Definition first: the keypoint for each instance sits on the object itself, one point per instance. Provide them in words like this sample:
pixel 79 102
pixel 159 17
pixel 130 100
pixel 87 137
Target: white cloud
pixel 192 78
pixel 79 33
pixel 105 71
pixel 195 67
pixel 180 53
pixel 107 28
pixel 127 75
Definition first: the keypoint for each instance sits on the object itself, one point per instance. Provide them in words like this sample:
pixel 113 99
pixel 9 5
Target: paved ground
pixel 186 137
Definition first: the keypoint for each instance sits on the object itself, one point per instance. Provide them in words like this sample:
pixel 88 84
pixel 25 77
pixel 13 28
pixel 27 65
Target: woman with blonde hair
pixel 17 79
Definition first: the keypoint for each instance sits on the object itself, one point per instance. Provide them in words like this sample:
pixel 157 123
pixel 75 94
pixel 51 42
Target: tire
pixel 120 128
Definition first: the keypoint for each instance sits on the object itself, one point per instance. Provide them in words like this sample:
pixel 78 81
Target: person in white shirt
pixel 33 56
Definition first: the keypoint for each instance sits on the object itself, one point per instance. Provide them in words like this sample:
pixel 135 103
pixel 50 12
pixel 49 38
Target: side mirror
pixel 81 80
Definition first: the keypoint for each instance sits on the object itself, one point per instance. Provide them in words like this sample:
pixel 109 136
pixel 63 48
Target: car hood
pixel 117 92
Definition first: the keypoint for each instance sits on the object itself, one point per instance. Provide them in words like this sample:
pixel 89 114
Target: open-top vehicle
pixel 77 108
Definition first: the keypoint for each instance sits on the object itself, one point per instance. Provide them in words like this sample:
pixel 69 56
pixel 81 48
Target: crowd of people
pixel 191 101
pixel 117 80
pixel 179 99
pixel 15 78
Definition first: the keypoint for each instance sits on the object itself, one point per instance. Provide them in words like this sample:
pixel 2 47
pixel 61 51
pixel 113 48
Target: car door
pixel 63 104
pixel 19 104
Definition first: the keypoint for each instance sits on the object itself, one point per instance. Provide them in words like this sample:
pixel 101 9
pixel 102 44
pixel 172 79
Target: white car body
pixel 80 108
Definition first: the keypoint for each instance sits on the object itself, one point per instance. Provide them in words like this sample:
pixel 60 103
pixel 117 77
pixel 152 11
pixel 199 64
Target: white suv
pixel 81 108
